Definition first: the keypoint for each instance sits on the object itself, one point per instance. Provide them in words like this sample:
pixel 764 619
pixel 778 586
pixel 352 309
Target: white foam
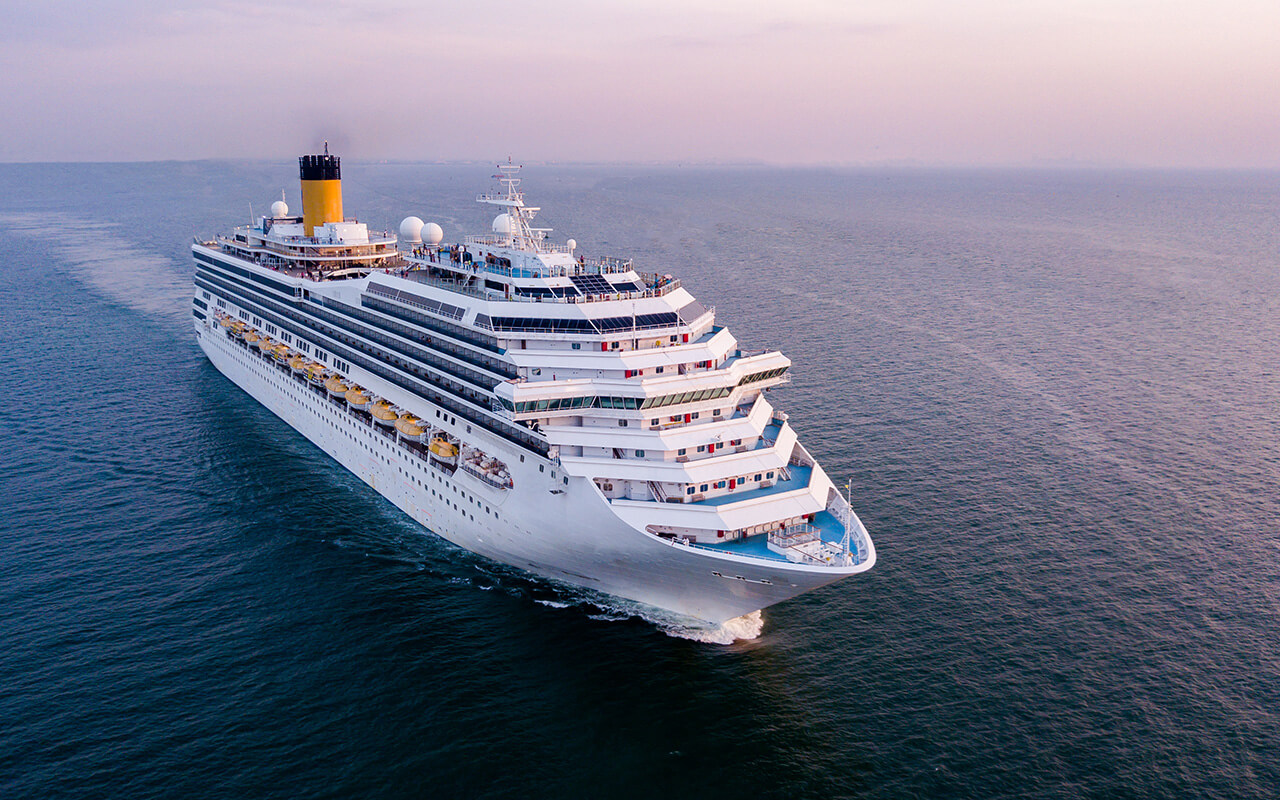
pixel 605 608
pixel 738 629
pixel 552 603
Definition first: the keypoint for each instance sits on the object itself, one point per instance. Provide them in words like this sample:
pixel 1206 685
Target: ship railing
pixel 794 535
pixel 839 508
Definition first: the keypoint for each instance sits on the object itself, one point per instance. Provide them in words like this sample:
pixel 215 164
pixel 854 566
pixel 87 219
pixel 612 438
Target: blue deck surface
pixel 757 546
pixel 799 480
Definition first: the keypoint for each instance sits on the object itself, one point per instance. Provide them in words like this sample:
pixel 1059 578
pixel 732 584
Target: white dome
pixel 502 224
pixel 572 244
pixel 432 233
pixel 279 209
pixel 411 230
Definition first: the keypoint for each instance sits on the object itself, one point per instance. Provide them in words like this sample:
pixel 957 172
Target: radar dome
pixel 502 224
pixel 279 209
pixel 432 233
pixel 572 244
pixel 411 230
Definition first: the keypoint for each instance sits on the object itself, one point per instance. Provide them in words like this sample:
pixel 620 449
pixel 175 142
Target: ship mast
pixel 521 235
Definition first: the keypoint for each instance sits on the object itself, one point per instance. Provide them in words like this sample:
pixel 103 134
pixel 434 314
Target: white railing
pixel 839 508
pixel 794 535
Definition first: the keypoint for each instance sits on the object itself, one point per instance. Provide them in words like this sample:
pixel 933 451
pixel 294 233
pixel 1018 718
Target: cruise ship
pixel 568 415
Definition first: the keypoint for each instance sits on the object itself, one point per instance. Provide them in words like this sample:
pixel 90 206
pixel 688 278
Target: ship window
pixel 695 415
pixel 639 454
pixel 702 448
pixel 658 370
pixel 577 345
pixel 681 451
pixel 757 476
pixel 769 475
pixel 542 468
pixel 622 423
pixel 702 488
pixel 689 490
pixel 721 484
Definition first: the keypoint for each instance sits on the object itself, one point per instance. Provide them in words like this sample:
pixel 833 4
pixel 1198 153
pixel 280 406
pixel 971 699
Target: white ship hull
pixel 548 523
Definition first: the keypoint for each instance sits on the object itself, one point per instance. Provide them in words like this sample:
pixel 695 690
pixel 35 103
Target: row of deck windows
pixel 724 484
pixel 512 434
pixel 629 403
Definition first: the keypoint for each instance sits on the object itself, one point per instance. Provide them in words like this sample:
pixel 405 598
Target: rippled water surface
pixel 1055 393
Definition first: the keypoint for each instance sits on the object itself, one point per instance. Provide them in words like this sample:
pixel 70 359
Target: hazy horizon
pixel 1094 84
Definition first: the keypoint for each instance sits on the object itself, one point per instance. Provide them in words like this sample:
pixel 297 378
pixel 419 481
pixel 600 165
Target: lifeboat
pixel 410 427
pixel 227 322
pixel 281 353
pixel 336 387
pixel 444 449
pixel 382 413
pixel 357 397
pixel 316 374
pixel 253 339
pixel 486 468
pixel 297 363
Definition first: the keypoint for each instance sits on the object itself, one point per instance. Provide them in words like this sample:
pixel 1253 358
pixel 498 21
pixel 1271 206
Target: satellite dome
pixel 432 233
pixel 411 230
pixel 572 244
pixel 279 209
pixel 502 224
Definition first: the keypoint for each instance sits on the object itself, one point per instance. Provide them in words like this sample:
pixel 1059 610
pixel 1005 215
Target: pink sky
pixel 1171 83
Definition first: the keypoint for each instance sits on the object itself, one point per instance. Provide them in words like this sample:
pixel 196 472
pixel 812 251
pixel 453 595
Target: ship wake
pixel 601 607
pixel 91 254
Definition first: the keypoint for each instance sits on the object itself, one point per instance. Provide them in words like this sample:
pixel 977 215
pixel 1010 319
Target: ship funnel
pixel 321 190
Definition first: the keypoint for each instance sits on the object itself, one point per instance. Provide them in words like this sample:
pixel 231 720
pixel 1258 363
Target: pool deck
pixel 757 546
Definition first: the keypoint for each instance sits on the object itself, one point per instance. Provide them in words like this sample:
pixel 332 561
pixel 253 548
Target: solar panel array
pixel 546 291
pixel 592 284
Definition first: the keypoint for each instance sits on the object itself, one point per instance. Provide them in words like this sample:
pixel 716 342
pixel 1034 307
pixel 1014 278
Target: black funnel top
pixel 319 168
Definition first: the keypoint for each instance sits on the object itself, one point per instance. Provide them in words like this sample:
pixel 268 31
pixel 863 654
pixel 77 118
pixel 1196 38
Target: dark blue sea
pixel 1056 394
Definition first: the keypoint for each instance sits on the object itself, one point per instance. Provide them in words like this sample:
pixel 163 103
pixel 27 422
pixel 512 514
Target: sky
pixel 1143 83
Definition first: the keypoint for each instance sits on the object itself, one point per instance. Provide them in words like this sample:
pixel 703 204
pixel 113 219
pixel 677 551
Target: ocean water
pixel 1055 394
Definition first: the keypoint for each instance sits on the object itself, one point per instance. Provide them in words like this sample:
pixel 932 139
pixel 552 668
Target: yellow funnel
pixel 321 190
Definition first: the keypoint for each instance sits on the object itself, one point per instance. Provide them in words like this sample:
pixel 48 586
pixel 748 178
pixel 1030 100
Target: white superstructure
pixel 569 416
